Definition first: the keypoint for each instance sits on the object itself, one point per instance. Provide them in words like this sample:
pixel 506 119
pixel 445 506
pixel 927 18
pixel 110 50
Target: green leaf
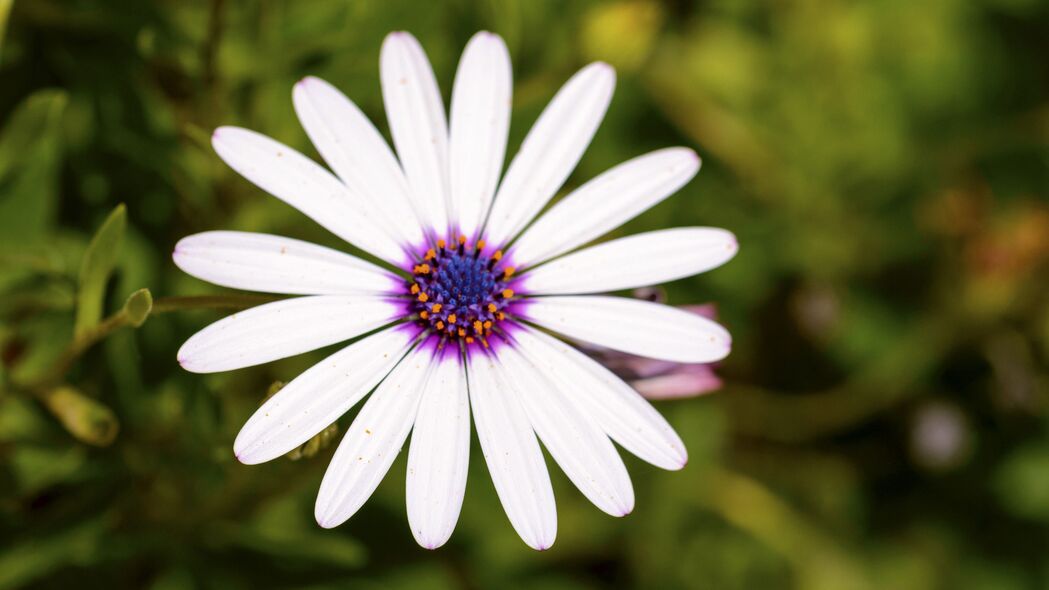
pixel 138 306
pixel 30 146
pixel 98 263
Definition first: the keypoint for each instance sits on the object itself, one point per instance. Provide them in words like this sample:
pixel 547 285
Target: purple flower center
pixel 459 291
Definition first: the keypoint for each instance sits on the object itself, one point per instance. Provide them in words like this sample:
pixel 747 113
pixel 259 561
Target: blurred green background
pixel 885 165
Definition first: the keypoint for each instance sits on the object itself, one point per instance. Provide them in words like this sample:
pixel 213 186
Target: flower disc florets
pixel 459 291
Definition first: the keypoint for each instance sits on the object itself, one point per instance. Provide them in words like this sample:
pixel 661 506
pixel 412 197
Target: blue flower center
pixel 459 291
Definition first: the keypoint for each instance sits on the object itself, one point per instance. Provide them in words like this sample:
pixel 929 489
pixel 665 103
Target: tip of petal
pixel 325 521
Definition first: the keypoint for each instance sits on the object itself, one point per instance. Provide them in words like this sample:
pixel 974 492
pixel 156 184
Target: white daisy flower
pixel 456 324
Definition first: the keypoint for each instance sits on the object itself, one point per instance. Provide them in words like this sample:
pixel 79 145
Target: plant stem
pixel 169 304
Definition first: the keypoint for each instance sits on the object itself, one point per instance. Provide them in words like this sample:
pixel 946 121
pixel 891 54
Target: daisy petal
pixel 551 151
pixel 355 150
pixel 605 203
pixel 275 264
pixel 603 397
pixel 283 328
pixel 417 123
pixel 480 121
pixel 635 261
pixel 512 453
pixel 305 185
pixel 637 327
pixel 439 455
pixel 317 397
pixel 582 449
pixel 373 441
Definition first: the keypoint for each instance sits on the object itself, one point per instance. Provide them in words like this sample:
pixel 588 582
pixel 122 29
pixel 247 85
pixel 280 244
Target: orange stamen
pixel 423 297
pixel 414 289
pixel 508 272
pixel 441 243
pixel 451 318
pixel 430 254
pixel 424 314
pixel 478 326
pixel 497 255
pixel 436 308
pixel 492 307
pixel 440 325
pixel 508 293
pixel 469 340
pixel 480 244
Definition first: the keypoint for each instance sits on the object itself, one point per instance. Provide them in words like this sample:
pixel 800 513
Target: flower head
pixel 453 324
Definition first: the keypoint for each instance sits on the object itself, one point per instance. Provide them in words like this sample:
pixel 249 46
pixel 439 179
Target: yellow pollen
pixel 423 297
pixel 497 255
pixel 440 325
pixel 415 288
pixel 492 307
pixel 507 293
pixel 478 326
pixel 480 244
pixel 451 318
pixel 430 254
pixel 441 243
pixel 436 308
pixel 508 272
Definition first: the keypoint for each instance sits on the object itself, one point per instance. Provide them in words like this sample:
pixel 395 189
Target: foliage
pixel 884 420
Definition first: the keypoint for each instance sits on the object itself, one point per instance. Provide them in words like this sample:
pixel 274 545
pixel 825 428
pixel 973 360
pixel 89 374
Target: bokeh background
pixel 883 421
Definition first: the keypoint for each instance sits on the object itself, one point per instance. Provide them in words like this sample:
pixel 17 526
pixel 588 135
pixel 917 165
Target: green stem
pixel 169 304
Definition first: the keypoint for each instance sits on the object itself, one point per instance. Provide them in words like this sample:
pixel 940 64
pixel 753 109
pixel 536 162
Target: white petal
pixel 480 121
pixel 551 151
pixel 512 453
pixel 275 264
pixel 305 185
pixel 605 203
pixel 357 153
pixel 439 455
pixel 317 397
pixel 638 327
pixel 635 261
pixel 603 397
pixel 373 441
pixel 417 122
pixel 578 445
pixel 283 328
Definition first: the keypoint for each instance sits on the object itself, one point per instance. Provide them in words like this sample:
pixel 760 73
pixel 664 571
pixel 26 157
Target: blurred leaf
pixel 30 145
pixel 5 11
pixel 622 33
pixel 138 306
pixel 24 562
pixel 85 418
pixel 98 263
pixel 1022 482
pixel 36 468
